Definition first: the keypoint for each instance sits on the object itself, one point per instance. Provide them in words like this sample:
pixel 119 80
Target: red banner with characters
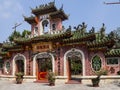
pixel 42 75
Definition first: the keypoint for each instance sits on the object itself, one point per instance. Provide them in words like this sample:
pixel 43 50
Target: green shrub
pixel 19 77
pixel 102 72
pixel 51 78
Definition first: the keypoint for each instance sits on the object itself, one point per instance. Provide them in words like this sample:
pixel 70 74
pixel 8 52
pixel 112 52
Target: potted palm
pixel 19 77
pixel 51 78
pixel 95 81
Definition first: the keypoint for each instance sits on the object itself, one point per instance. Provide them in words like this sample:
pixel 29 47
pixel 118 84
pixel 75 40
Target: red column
pixel 68 70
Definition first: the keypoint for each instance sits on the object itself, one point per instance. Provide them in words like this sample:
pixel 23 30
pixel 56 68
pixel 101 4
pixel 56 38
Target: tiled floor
pixel 8 85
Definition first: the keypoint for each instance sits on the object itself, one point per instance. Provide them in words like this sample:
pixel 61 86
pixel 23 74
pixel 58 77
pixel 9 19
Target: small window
pixel 96 63
pixel 36 30
pixel 54 26
pixel 7 66
pixel 112 61
pixel 45 24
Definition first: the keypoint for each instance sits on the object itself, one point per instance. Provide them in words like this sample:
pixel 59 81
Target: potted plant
pixel 118 72
pixel 95 81
pixel 51 78
pixel 19 77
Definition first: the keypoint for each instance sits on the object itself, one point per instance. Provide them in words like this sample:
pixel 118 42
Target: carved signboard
pixel 42 47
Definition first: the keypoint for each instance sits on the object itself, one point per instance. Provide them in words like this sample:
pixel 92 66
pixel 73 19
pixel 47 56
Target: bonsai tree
pixel 51 78
pixel 19 77
pixel 95 81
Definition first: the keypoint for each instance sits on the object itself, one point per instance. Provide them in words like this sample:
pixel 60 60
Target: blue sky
pixel 92 12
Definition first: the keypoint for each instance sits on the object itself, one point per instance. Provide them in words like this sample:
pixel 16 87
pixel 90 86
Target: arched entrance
pixel 19 64
pixel 43 62
pixel 74 64
pixel 44 26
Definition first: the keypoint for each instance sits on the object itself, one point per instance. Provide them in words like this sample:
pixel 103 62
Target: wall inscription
pixel 42 47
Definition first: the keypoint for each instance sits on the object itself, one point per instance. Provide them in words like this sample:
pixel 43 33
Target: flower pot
pixel 51 84
pixel 51 78
pixel 19 80
pixel 95 82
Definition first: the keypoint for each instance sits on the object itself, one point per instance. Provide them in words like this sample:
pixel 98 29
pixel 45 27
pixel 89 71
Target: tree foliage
pixel 76 66
pixel 17 34
pixel 25 33
pixel 117 33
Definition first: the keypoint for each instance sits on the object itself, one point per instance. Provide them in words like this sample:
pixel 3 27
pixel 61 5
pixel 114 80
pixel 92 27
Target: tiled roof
pixel 78 36
pixel 30 19
pixel 113 52
pixel 102 42
pixel 43 9
pixel 45 37
pixel 59 14
pixel 2 52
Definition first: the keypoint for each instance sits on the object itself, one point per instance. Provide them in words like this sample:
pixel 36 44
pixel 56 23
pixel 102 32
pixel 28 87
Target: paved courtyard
pixel 8 85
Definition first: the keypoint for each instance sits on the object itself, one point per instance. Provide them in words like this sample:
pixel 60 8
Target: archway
pixel 76 57
pixel 42 63
pixel 74 66
pixel 19 64
pixel 44 26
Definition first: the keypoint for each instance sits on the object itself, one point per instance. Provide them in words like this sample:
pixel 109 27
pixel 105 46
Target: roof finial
pixel 61 7
pixel 31 8
pixel 54 1
pixel 103 24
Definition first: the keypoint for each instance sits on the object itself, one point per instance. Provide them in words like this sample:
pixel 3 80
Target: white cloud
pixel 9 7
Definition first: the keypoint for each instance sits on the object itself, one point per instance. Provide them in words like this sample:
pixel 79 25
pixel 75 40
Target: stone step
pixel 41 81
pixel 73 82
